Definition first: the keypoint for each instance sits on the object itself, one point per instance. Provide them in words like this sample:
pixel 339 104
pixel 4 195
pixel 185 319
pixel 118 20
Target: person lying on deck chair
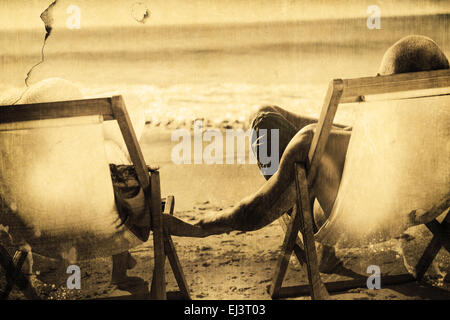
pixel 132 211
pixel 130 207
pixel 278 194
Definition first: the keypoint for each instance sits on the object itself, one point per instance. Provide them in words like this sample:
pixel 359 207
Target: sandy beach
pixel 238 265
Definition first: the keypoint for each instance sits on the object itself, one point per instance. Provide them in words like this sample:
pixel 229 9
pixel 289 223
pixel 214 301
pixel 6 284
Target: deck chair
pixel 412 92
pixel 56 132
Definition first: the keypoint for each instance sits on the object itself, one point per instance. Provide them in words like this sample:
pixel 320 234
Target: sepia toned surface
pixel 177 61
pixel 56 179
pixel 383 180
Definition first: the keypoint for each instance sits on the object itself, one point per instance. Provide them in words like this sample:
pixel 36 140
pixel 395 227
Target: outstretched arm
pixel 278 194
pixel 273 199
pixel 177 227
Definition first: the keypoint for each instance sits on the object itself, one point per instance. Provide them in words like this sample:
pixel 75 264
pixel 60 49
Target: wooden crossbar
pixel 351 90
pixel 357 87
pixel 58 109
pixel 173 257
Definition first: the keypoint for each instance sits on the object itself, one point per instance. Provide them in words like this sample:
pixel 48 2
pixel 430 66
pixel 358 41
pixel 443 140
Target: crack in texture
pixel 140 12
pixel 46 17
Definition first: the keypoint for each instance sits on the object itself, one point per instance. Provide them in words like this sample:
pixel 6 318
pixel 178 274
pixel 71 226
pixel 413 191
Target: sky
pixel 24 14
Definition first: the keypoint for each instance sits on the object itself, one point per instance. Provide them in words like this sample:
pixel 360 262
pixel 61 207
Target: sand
pixel 236 265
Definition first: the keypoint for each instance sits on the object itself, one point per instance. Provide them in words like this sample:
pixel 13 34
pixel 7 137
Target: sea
pixel 217 72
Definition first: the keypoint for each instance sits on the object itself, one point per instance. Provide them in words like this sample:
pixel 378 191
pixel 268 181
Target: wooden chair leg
pixel 441 231
pixel 318 290
pixel 172 254
pixel 11 275
pixel 305 251
pixel 440 238
pixel 285 255
pixel 158 287
pixel 301 219
pixel 299 249
pixel 14 274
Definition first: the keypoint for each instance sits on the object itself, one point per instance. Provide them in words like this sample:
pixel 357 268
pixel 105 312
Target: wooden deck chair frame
pixel 111 108
pixel 347 91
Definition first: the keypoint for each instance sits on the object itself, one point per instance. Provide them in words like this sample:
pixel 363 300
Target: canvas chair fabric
pixel 56 190
pixel 397 164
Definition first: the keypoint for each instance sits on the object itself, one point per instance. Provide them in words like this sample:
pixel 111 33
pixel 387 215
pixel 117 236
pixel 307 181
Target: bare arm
pixel 273 199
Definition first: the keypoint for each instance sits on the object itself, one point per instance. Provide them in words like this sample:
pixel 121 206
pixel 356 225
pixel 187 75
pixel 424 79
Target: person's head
pixel 51 89
pixel 412 54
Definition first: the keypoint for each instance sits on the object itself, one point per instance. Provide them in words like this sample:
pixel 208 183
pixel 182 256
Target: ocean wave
pixel 229 104
pixel 218 105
